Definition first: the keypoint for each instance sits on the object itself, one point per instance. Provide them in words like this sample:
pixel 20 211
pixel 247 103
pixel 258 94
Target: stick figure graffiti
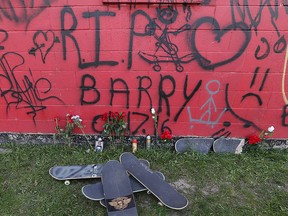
pixel 166 50
pixel 209 105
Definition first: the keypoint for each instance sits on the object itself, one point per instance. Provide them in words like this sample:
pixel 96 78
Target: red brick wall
pixel 217 68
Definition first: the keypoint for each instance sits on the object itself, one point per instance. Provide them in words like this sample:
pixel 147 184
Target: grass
pixel 215 184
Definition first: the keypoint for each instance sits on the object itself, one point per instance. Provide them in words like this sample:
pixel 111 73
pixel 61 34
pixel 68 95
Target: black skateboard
pixel 197 144
pixel 66 173
pixel 95 191
pixel 74 172
pixel 118 193
pixel 155 184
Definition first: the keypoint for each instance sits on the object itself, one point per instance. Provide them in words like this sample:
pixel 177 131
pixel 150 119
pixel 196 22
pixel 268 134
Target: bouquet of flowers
pixel 259 140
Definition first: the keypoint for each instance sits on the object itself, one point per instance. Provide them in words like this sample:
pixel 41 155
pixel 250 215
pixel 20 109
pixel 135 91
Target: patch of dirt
pixel 183 185
pixel 283 187
pixel 210 189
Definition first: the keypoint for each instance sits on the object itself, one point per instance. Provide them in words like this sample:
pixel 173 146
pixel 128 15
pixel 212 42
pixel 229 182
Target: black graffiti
pixel 44 42
pixel 266 49
pixel 145 89
pixel 95 123
pixel 218 134
pixel 114 90
pixel 240 27
pixel 252 95
pixel 141 124
pixel 67 13
pixel 259 101
pixel 165 127
pixel 223 132
pixel 164 95
pixel 246 122
pixel 3 38
pixel 187 97
pixel 20 11
pixel 188 11
pixel 279 47
pixel 243 10
pixel 134 33
pixel 138 125
pixel 255 76
pixel 165 51
pixel 284 115
pixel 23 93
pixel 90 94
pixel 88 84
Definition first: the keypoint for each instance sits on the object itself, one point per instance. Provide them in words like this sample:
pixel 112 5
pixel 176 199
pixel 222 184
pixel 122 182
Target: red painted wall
pixel 212 69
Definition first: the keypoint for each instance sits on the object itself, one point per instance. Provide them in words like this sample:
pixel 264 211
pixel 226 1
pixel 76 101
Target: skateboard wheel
pixel 94 175
pixel 160 203
pixel 67 182
pixel 148 192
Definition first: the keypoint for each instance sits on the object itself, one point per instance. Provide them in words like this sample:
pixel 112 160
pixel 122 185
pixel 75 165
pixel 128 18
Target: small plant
pixel 67 131
pixel 115 126
pixel 258 141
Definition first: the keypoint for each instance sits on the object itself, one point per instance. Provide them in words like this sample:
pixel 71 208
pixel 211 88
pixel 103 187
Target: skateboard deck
pixel 228 145
pixel 118 193
pixel 157 186
pixel 197 144
pixel 95 191
pixel 76 172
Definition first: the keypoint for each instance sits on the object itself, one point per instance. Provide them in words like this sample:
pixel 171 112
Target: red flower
pixel 117 115
pixel 166 135
pixel 121 115
pixel 112 115
pixel 104 117
pixel 253 139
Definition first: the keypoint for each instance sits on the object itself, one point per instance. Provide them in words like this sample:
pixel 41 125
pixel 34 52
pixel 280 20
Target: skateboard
pixel 154 59
pixel 95 191
pixel 73 172
pixel 197 144
pixel 167 195
pixel 228 145
pixel 118 193
pixel 67 173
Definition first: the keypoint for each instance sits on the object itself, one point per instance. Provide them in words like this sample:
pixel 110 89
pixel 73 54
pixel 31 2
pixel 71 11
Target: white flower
pixel 76 117
pixel 271 129
pixel 153 111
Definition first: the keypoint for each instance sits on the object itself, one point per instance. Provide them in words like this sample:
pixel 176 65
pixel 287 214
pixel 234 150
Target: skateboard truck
pixel 95 169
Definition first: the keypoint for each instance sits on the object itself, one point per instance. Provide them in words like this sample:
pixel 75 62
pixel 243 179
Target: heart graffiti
pixel 44 41
pixel 217 40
